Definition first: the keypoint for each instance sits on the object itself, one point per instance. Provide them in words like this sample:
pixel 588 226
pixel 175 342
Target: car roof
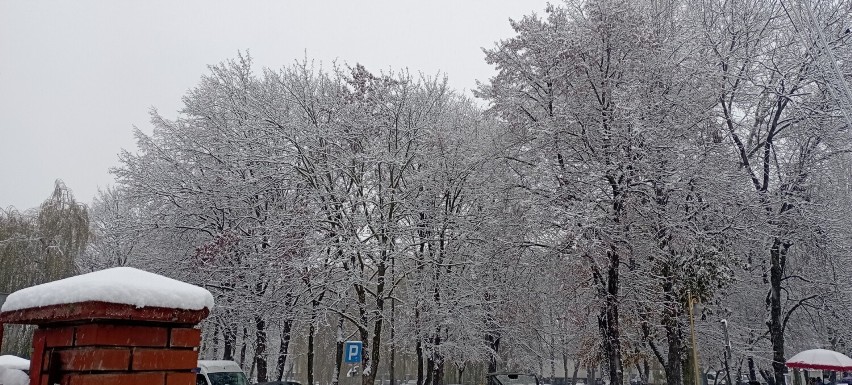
pixel 278 382
pixel 218 366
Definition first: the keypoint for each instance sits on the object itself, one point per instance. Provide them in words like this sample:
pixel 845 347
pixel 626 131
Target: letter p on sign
pixel 352 352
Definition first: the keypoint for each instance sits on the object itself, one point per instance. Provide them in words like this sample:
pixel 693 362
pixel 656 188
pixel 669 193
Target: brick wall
pixel 107 343
pixel 116 354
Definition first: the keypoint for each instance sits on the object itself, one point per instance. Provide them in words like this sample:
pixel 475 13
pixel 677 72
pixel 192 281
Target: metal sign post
pixel 352 352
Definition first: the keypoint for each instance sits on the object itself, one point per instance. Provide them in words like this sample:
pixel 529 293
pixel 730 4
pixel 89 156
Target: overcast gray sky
pixel 76 76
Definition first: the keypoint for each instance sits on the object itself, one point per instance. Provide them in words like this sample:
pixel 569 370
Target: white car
pixel 220 372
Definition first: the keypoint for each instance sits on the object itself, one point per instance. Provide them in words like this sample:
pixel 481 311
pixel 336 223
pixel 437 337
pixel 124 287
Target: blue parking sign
pixel 352 351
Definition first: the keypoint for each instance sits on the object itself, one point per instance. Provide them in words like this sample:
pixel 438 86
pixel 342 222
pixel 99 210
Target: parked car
pixel 279 383
pixel 219 372
pixel 512 379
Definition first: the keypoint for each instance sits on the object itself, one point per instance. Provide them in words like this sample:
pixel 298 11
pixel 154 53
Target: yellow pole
pixel 694 344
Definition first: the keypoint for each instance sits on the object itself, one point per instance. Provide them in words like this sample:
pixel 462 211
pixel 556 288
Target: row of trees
pixel 368 200
pixel 634 156
pixel 697 143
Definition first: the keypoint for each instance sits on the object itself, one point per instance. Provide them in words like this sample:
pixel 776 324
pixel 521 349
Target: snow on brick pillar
pixel 118 326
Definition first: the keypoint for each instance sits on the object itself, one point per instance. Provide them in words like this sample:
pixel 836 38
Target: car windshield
pixel 227 378
pixel 514 379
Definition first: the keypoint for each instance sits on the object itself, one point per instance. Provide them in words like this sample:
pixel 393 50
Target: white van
pixel 219 372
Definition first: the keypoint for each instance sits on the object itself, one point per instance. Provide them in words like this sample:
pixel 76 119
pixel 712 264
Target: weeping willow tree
pixel 39 245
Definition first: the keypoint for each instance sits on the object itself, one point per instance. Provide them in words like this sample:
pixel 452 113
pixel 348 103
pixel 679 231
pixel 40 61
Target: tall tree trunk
pixel 576 370
pixel 243 346
pixel 608 321
pixel 283 349
pixel 752 374
pixel 418 349
pixel 215 339
pixel 493 340
pixel 392 353
pixel 438 369
pixel 552 360
pixel 674 335
pixel 338 354
pixel 768 377
pixel 363 334
pixel 229 334
pixel 260 351
pixel 311 331
pixel 372 367
pixel 392 362
pixel 430 369
pixel 435 375
pixel 778 255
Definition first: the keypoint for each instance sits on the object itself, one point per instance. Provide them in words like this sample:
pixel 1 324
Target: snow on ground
pixel 13 377
pixel 121 285
pixel 14 362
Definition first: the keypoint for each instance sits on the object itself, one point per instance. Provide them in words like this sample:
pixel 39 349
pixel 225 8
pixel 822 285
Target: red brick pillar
pixel 100 343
